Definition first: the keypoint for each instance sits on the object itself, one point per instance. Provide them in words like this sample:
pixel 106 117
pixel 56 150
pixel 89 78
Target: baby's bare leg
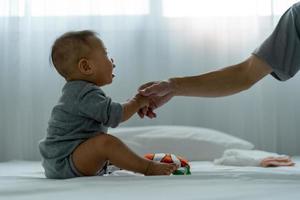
pixel 91 155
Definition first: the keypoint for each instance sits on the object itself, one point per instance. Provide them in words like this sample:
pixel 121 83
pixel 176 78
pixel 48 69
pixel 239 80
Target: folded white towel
pixel 238 157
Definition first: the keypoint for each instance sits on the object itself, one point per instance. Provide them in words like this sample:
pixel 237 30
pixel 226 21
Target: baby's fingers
pixel 151 114
pixel 141 114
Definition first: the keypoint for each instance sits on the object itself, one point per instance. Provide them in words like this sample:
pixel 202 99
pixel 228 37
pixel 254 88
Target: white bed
pixel 25 180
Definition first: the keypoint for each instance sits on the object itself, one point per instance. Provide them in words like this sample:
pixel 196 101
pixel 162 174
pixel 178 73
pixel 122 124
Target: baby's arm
pixel 133 105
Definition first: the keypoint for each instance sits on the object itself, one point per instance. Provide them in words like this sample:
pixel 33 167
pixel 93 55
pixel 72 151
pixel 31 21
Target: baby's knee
pixel 106 140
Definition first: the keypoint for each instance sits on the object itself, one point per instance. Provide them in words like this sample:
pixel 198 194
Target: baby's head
pixel 81 55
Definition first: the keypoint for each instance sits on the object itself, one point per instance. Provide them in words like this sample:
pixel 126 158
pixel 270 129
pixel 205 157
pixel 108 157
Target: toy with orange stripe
pixel 184 167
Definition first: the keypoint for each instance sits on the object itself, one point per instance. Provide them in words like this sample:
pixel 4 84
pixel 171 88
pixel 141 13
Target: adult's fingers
pixel 146 85
pixel 150 90
pixel 156 89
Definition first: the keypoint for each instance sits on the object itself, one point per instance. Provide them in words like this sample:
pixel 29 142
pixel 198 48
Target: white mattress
pixel 25 180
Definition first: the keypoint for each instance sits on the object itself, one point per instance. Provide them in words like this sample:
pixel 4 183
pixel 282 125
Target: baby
pixel 77 143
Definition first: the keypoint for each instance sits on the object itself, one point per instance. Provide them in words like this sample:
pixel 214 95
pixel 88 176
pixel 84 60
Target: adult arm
pixel 223 82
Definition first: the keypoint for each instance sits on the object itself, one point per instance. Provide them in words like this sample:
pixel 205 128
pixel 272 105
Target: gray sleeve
pixel 281 50
pixel 96 105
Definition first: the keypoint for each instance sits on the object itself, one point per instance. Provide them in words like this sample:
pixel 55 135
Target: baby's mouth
pixel 113 75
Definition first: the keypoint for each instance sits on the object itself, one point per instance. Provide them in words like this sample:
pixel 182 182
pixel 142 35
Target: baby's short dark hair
pixel 69 48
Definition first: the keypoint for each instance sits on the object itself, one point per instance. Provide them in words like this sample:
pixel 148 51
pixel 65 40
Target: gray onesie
pixel 282 49
pixel 82 111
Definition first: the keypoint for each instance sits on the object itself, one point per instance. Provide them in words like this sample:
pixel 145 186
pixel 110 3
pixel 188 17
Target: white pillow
pixel 193 143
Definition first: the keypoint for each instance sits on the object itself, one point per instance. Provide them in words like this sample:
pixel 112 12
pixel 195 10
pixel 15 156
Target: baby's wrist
pixel 136 102
pixel 140 101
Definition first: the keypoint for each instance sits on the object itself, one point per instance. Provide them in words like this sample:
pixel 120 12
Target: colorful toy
pixel 184 167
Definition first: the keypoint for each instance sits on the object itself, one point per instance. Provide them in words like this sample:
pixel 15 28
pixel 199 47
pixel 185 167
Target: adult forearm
pixel 226 81
pixel 218 83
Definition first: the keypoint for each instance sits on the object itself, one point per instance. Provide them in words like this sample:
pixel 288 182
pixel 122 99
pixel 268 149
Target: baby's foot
pixel 156 168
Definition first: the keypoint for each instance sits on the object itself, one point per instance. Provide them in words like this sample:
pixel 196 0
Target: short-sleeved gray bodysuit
pixel 281 50
pixel 82 112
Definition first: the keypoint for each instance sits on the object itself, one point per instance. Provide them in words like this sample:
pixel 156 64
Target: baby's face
pixel 103 65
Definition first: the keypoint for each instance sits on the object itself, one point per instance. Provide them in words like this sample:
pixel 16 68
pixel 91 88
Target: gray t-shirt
pixel 82 111
pixel 281 50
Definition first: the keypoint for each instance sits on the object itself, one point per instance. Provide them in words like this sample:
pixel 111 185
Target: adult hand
pixel 159 92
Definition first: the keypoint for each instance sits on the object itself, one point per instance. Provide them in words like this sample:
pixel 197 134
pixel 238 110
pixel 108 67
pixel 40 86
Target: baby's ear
pixel 84 66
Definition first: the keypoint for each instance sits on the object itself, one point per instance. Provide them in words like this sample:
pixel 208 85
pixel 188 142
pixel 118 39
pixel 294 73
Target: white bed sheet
pixel 25 180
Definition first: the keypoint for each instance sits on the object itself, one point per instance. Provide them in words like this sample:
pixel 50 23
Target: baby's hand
pixel 146 107
pixel 141 100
